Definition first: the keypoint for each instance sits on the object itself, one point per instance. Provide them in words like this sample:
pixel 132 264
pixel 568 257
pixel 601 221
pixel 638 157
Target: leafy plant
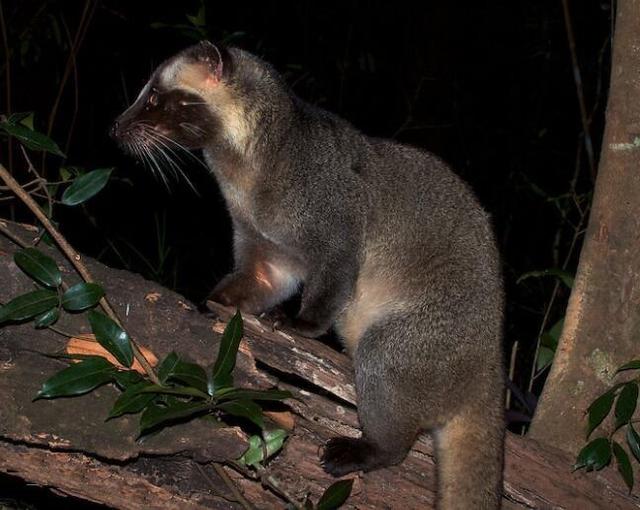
pixel 85 186
pixel 193 389
pixel 597 454
pixel 564 276
pixel 20 126
pixel 333 497
pixel 80 185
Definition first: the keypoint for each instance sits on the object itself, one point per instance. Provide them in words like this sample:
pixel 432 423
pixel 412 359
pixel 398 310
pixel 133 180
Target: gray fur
pixel 391 248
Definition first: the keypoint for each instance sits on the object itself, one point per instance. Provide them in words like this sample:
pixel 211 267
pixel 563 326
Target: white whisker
pixel 169 153
pixel 153 148
pixel 184 149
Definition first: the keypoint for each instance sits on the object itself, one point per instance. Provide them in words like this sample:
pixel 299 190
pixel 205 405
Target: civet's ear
pixel 208 53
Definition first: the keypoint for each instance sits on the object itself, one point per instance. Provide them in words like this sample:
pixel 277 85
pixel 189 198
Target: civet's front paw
pixel 344 455
pixel 237 291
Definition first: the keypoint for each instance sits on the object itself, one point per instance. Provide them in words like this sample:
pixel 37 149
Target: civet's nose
pixel 114 132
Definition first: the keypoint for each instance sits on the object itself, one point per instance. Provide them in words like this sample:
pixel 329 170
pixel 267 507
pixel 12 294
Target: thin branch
pixel 7 76
pixel 269 482
pixel 67 334
pixel 75 259
pixel 578 231
pixel 13 237
pixel 85 20
pixel 42 182
pixel 512 367
pixel 232 486
pixel 274 485
pixel 76 99
pixel 577 78
pixel 212 486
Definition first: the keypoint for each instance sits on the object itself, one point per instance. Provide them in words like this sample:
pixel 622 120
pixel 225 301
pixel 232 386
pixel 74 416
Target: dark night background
pixel 487 85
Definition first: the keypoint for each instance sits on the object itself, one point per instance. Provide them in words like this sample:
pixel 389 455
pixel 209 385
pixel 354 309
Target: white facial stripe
pixel 169 74
pixel 195 79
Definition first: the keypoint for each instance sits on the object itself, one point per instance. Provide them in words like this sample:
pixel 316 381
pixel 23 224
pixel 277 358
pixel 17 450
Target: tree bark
pixel 65 444
pixel 602 324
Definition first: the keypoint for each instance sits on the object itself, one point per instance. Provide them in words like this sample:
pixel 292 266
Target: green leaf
pixel 86 186
pixel 30 138
pixel 65 173
pixel 226 360
pixel 190 374
pixel 631 365
pixel 544 359
pixel 132 400
pixel 77 379
pixel 127 378
pixel 550 338
pixel 633 440
pixel 199 19
pixel 82 296
pixel 335 495
pixel 112 337
pixel 273 440
pixel 564 276
pixel 243 409
pixel 156 415
pixel 39 266
pixel 254 453
pixel 599 409
pixel 182 391
pixel 47 318
pixel 167 366
pixel 29 305
pixel 624 466
pixel 25 118
pixel 626 403
pixel 258 446
pixel 594 455
pixel 239 393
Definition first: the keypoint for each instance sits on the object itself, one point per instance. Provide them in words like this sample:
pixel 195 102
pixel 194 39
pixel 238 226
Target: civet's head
pixel 191 101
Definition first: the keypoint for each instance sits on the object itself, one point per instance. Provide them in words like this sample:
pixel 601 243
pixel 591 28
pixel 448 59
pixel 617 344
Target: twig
pixel 85 19
pixel 411 102
pixel 577 78
pixel 274 485
pixel 75 259
pixel 76 99
pixel 34 182
pixel 232 486
pixel 212 486
pixel 577 232
pixel 4 230
pixel 512 366
pixel 260 473
pixel 42 182
pixel 7 76
pixel 67 334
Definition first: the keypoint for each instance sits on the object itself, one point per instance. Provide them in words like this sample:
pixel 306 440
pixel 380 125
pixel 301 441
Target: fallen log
pixel 66 444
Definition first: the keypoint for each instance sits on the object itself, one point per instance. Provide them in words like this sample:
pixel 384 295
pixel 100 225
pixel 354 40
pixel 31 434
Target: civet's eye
pixel 184 103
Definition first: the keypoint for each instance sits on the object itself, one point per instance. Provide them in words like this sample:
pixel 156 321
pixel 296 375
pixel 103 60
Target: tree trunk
pixel 602 324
